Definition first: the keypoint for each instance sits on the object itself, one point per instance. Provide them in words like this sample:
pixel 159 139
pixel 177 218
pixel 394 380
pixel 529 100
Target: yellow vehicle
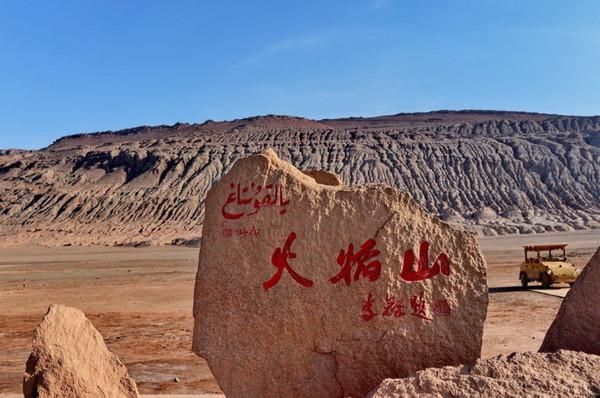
pixel 544 266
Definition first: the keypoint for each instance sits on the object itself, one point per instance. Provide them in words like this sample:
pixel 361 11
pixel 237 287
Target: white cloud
pixel 290 44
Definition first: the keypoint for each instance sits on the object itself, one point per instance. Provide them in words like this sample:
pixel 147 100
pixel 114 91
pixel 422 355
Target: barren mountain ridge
pixel 492 172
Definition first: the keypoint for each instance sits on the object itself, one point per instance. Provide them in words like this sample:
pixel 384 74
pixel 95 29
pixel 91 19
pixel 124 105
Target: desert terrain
pixel 110 222
pixel 140 299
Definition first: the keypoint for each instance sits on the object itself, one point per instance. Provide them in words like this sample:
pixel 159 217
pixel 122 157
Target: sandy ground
pixel 140 299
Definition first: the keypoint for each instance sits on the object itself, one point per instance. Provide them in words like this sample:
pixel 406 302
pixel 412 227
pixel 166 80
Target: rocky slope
pixel 493 172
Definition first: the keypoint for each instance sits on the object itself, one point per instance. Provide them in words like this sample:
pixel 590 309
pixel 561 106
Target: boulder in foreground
pixel 71 360
pixel 309 289
pixel 560 374
pixel 577 324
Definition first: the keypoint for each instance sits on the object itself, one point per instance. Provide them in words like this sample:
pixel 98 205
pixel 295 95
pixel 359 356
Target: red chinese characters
pixel 393 307
pixel 417 304
pixel 423 270
pixel 279 259
pixel 248 200
pixel 367 309
pixel 362 264
pixel 364 268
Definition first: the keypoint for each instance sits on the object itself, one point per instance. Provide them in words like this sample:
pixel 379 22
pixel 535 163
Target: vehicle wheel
pixel 546 280
pixel 524 279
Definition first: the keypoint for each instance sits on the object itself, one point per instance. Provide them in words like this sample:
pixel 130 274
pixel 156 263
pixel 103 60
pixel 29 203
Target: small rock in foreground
pixel 71 360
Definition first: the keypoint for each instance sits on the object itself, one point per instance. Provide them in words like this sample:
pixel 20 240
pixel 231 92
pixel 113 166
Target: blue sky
pixel 78 66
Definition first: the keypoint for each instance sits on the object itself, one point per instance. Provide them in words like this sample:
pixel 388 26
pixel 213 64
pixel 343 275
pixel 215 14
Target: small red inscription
pixel 417 304
pixel 423 271
pixel 367 309
pixel 248 200
pixel 393 307
pixel 279 259
pixel 241 232
pixel 347 260
pixel 442 307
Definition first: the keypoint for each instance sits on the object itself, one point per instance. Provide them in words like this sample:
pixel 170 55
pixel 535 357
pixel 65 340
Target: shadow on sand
pixel 552 291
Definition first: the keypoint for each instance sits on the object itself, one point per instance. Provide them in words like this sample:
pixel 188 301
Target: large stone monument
pixel 306 289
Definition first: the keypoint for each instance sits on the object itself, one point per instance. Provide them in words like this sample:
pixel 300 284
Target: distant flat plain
pixel 140 299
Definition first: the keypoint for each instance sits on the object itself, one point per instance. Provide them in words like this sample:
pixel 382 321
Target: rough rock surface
pixel 577 324
pixel 70 360
pixel 147 185
pixel 560 374
pixel 323 177
pixel 312 290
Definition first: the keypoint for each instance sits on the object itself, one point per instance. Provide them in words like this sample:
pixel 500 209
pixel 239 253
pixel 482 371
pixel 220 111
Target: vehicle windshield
pixel 536 255
pixel 556 255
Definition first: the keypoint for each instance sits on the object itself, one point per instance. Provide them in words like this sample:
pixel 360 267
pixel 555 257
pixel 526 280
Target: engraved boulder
pixel 306 289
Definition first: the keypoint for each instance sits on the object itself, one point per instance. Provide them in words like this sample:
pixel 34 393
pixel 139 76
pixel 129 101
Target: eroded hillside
pixel 494 172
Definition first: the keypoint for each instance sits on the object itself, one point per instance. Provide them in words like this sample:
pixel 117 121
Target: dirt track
pixel 141 301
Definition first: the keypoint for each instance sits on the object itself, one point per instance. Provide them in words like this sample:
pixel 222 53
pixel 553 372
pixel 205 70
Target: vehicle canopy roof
pixel 545 247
